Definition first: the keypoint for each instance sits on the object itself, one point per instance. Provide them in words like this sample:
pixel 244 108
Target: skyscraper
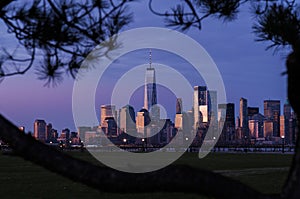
pixel 213 110
pixel 256 126
pixel 65 134
pixel 109 120
pixel 230 113
pixel 244 118
pixel 253 128
pixel 268 129
pixel 259 119
pixel 179 121
pixel 178 106
pixel 286 119
pixel 179 115
pixel 252 111
pixel 227 119
pixel 272 113
pixel 150 93
pixel 205 101
pixel 40 130
pixel 110 127
pixel 283 127
pixel 107 111
pixel 142 120
pixel 82 130
pixel 48 131
pixel 200 100
pixel 127 119
pixel 287 110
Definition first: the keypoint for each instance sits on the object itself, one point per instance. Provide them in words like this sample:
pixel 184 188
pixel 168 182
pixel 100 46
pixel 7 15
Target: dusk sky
pixel 248 71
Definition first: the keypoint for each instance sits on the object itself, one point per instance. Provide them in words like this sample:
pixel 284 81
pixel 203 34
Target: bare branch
pixel 197 11
pixel 18 71
pixel 279 24
pixel 64 28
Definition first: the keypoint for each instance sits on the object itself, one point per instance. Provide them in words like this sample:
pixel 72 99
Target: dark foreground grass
pixel 23 179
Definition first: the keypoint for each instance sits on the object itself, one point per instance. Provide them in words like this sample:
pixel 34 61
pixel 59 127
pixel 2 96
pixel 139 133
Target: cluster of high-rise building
pixel 146 125
pixel 271 126
pixel 46 133
pixel 125 126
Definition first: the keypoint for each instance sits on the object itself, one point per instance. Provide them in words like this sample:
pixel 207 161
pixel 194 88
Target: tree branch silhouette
pixel 56 29
pixel 191 13
pixel 170 179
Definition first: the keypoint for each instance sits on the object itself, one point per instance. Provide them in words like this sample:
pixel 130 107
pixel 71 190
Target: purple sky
pixel 248 71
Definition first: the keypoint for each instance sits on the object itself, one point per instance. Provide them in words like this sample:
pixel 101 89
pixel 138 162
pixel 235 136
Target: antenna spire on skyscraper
pixel 150 93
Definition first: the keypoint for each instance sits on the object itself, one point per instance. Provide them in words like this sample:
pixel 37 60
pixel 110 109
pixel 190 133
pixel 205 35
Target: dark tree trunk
pixel 291 189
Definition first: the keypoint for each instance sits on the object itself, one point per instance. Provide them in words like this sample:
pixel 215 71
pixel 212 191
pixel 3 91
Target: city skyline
pixel 272 126
pixel 206 120
pixel 203 99
pixel 247 68
pixel 111 111
pixel 149 95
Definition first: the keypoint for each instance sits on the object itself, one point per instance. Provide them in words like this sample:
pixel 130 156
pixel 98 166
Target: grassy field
pixel 22 179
